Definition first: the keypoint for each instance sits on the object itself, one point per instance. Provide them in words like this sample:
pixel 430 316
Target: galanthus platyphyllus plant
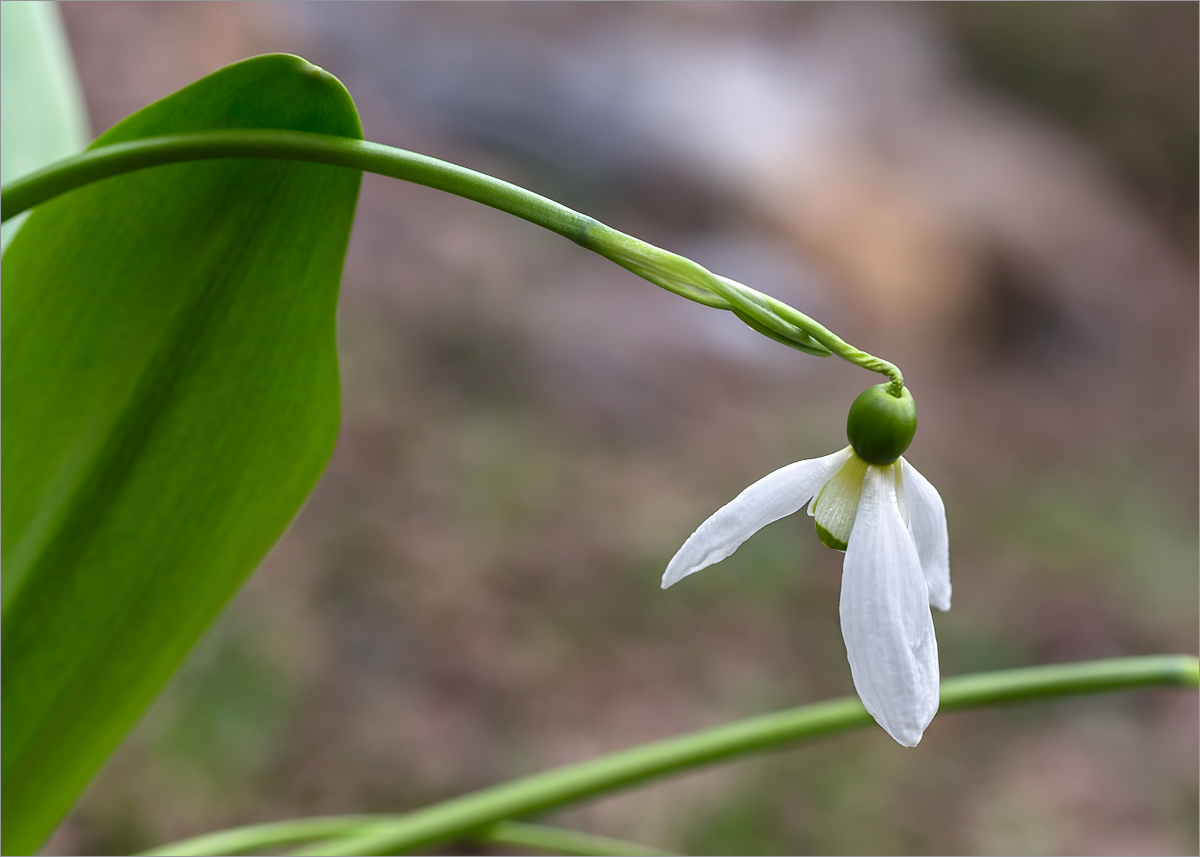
pixel 868 501
pixel 106 591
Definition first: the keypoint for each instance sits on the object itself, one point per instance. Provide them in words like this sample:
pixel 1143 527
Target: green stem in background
pixel 255 837
pixel 458 817
pixel 559 840
pixel 556 840
pixel 667 270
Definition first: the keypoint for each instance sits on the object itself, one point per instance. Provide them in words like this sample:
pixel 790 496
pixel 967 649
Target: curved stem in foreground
pixel 459 817
pixel 666 270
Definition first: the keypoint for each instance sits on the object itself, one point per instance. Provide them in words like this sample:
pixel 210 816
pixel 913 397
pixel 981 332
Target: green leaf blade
pixel 169 362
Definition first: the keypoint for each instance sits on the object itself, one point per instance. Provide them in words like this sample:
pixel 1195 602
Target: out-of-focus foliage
pixel 42 117
pixel 1116 73
pixel 170 364
pixel 529 432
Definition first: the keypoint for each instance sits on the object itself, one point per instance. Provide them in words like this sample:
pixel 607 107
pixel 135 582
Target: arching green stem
pixel 684 277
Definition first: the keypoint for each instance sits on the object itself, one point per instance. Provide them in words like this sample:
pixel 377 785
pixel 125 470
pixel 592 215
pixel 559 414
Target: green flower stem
pixel 458 817
pixel 666 270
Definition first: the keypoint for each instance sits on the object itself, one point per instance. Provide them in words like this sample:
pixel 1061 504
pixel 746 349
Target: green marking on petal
pixel 830 540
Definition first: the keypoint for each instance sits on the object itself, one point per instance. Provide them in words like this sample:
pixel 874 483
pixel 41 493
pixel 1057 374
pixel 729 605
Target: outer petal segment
pixel 927 523
pixel 886 621
pixel 773 497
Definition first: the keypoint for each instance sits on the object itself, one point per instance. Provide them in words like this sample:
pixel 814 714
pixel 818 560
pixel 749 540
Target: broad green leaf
pixel 171 392
pixel 41 108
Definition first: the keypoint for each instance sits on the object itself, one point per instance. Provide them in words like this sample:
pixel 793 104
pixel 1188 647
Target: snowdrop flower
pixel 871 503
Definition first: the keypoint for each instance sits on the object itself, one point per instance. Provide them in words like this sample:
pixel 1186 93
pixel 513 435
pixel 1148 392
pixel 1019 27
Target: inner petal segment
pixel 836 506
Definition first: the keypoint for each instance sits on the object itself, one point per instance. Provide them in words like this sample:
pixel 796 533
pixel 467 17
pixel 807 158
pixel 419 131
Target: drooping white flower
pixel 892 525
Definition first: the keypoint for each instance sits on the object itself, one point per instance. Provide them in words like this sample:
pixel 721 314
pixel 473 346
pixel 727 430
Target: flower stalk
pixel 759 311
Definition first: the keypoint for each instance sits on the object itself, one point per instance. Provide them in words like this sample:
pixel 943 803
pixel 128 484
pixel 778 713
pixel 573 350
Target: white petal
pixel 886 621
pixel 927 523
pixel 774 496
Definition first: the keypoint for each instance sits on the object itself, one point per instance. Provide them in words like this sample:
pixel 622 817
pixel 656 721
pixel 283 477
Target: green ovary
pixel 880 426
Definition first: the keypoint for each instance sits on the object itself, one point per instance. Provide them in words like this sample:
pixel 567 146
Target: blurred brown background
pixel 1002 198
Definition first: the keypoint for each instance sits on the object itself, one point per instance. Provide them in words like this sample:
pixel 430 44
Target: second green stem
pixel 543 791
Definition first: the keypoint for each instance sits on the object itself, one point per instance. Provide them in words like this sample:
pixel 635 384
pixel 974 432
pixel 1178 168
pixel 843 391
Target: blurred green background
pixel 1002 198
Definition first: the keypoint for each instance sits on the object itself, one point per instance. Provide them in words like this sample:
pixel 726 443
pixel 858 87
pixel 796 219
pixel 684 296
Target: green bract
pixel 881 426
